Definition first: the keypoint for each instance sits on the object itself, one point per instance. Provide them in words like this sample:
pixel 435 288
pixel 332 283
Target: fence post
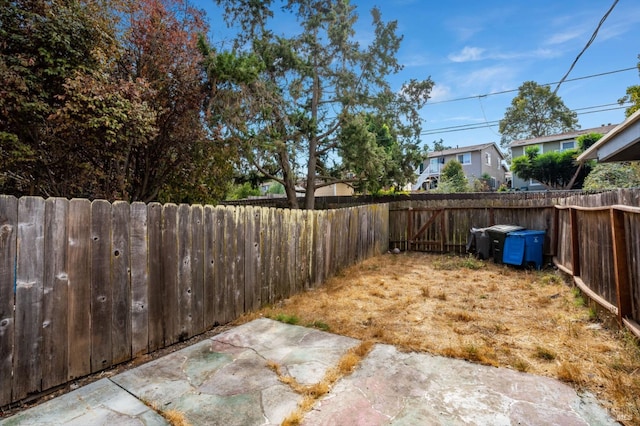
pixel 623 291
pixel 575 243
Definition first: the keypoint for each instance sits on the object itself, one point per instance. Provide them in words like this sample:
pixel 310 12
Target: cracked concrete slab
pixel 226 380
pixel 394 388
pixel 99 403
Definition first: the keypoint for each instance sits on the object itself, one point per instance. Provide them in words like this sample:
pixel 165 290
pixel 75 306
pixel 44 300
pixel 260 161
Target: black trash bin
pixel 479 243
pixel 498 234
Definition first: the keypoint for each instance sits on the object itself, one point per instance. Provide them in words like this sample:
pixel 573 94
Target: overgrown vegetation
pixel 493 314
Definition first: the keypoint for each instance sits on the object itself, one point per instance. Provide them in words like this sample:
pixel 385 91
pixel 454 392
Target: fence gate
pixel 419 229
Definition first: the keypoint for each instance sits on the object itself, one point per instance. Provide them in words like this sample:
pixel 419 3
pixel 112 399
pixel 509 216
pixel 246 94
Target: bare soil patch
pixel 491 314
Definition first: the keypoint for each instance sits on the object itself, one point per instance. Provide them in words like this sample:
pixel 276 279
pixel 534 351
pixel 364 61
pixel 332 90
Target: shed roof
pixel 621 144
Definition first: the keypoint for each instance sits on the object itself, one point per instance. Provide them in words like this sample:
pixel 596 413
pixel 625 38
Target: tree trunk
pixel 575 176
pixel 309 196
pixel 289 179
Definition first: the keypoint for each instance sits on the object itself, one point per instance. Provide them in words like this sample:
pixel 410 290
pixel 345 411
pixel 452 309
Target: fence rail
pixel 87 285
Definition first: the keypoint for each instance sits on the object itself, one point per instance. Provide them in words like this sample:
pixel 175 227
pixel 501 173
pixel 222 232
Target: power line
pixel 593 37
pixel 515 90
pixel 475 126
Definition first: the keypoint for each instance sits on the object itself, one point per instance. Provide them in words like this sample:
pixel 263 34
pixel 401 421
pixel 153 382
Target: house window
pixel 487 156
pixel 567 145
pixel 434 165
pixel 464 158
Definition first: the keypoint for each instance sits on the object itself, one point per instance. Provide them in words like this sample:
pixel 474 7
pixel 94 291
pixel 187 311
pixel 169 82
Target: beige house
pixel 335 189
pixel 476 161
pixel 559 142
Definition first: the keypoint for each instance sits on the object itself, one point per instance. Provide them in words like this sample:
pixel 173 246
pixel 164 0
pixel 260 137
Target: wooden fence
pixel 87 285
pixel 595 238
pixel 600 248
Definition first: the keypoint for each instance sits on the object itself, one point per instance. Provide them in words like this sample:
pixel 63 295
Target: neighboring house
pixel 559 142
pixel 620 144
pixel 335 189
pixel 476 161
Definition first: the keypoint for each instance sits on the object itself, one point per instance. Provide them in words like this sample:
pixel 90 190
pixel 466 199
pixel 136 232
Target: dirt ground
pixel 492 314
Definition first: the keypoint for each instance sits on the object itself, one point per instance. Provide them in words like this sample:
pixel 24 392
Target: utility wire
pixel 474 126
pixel 515 90
pixel 593 37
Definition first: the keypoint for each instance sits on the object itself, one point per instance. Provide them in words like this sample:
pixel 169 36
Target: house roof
pixel 620 144
pixel 464 149
pixel 562 136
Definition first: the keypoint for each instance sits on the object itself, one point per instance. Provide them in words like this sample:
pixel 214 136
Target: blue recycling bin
pixel 522 248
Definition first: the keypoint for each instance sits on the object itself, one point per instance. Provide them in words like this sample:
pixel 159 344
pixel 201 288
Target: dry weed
pixel 492 314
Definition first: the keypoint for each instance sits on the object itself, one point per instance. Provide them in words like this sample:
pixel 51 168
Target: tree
pixel 613 176
pixel 372 155
pixel 452 178
pixel 98 107
pixel 44 44
pixel 535 112
pixel 633 96
pixel 440 146
pixel 293 103
pixel 555 170
pixel 183 162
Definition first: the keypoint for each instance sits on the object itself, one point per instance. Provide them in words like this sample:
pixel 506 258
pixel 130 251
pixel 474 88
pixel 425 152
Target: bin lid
pixel 527 232
pixel 504 229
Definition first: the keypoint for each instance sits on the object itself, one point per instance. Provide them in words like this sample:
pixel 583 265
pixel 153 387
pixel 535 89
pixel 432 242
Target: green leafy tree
pixel 613 176
pixel 555 169
pixel 452 178
pixel 242 191
pixel 296 101
pixel 633 96
pixel 371 153
pixel 535 112
pixel 585 141
pixel 439 145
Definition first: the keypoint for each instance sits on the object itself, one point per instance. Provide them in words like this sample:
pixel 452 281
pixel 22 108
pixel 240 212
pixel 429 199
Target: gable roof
pixel 464 149
pixel 620 144
pixel 563 136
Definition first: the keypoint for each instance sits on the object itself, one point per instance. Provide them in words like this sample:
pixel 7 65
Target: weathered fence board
pixel 197 270
pixel 170 267
pixel 54 301
pixel 632 227
pixel 27 355
pixel 8 238
pixel 209 261
pixel 79 275
pixel 101 289
pixel 139 279
pixel 155 290
pixel 220 272
pixel 120 283
pixel 184 278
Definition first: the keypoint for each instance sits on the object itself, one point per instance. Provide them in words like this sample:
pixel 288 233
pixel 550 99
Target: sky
pixel 474 49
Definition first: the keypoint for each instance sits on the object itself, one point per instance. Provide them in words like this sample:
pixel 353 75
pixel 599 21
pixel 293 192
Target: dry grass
pixel 173 416
pixel 311 393
pixel 479 311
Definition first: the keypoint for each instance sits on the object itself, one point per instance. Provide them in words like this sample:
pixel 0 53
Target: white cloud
pixel 565 36
pixel 415 60
pixel 467 54
pixel 470 54
pixel 440 92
